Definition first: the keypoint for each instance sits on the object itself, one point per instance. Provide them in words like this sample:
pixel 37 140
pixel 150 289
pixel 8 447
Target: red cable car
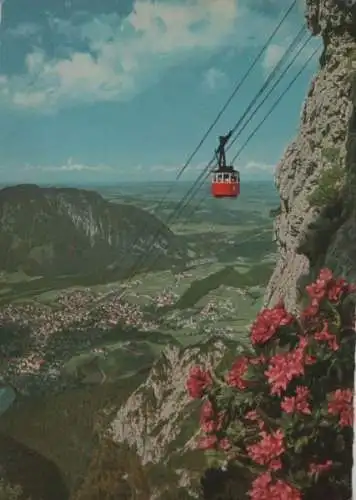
pixel 225 183
pixel 226 180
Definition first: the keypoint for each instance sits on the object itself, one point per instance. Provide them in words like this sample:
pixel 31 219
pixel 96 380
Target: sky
pixel 124 90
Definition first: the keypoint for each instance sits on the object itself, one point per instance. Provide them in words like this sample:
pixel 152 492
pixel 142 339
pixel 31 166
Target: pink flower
pixel 317 290
pixel 310 312
pixel 268 450
pixel 238 370
pixel 340 404
pixel 319 468
pixel 198 382
pixel 283 368
pixel 210 422
pixel 267 323
pixel 212 443
pixel 298 403
pixel 263 488
pixel 326 286
pixel 326 336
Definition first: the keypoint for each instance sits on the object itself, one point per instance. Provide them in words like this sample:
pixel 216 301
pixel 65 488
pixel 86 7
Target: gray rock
pixel 309 237
pixel 152 418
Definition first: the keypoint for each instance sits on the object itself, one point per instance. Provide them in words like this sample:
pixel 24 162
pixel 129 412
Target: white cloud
pixel 127 54
pixel 165 169
pixel 272 55
pixel 123 55
pixel 214 79
pixel 275 52
pixel 71 166
pixel 254 167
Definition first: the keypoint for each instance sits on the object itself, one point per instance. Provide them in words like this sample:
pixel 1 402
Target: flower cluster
pixel 292 398
pixel 269 450
pixel 268 322
pixel 298 403
pixel 340 404
pixel 199 381
pixel 264 488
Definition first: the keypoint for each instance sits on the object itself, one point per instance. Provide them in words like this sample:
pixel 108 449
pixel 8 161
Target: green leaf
pixel 300 443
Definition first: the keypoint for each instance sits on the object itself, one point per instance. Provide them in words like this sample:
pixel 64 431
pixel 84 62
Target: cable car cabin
pixel 225 183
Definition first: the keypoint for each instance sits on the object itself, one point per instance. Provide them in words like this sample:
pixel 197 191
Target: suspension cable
pixel 275 103
pixel 259 125
pixel 223 109
pixel 201 178
pixel 275 84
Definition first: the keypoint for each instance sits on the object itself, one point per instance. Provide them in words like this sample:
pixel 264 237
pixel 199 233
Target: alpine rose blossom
pixel 210 422
pixel 319 468
pixel 283 368
pixel 340 404
pixel 238 370
pixel 263 488
pixel 268 450
pixel 310 312
pixel 283 400
pixel 298 403
pixel 317 290
pixel 267 323
pixel 301 351
pixel 198 382
pixel 325 336
pixel 326 286
pixel 212 443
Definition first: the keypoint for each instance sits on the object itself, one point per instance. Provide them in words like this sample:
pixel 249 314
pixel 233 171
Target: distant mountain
pixel 65 231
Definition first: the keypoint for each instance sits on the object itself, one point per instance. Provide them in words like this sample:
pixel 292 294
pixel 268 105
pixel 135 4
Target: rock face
pixel 311 236
pixel 63 231
pixel 152 417
pixel 159 420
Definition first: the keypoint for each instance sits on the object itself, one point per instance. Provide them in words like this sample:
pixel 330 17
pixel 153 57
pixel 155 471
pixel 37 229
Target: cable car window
pixel 219 178
pixel 233 178
pixel 226 177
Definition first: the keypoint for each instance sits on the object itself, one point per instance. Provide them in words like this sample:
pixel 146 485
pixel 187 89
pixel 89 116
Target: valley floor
pixel 66 346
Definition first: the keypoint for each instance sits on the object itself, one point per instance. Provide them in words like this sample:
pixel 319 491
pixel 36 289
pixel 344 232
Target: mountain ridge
pixel 59 231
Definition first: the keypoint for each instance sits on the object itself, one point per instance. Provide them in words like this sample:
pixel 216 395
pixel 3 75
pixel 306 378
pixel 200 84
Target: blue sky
pixel 113 90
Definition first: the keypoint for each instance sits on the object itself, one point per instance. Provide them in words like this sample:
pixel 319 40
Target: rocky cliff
pixel 58 231
pixel 160 421
pixel 316 225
